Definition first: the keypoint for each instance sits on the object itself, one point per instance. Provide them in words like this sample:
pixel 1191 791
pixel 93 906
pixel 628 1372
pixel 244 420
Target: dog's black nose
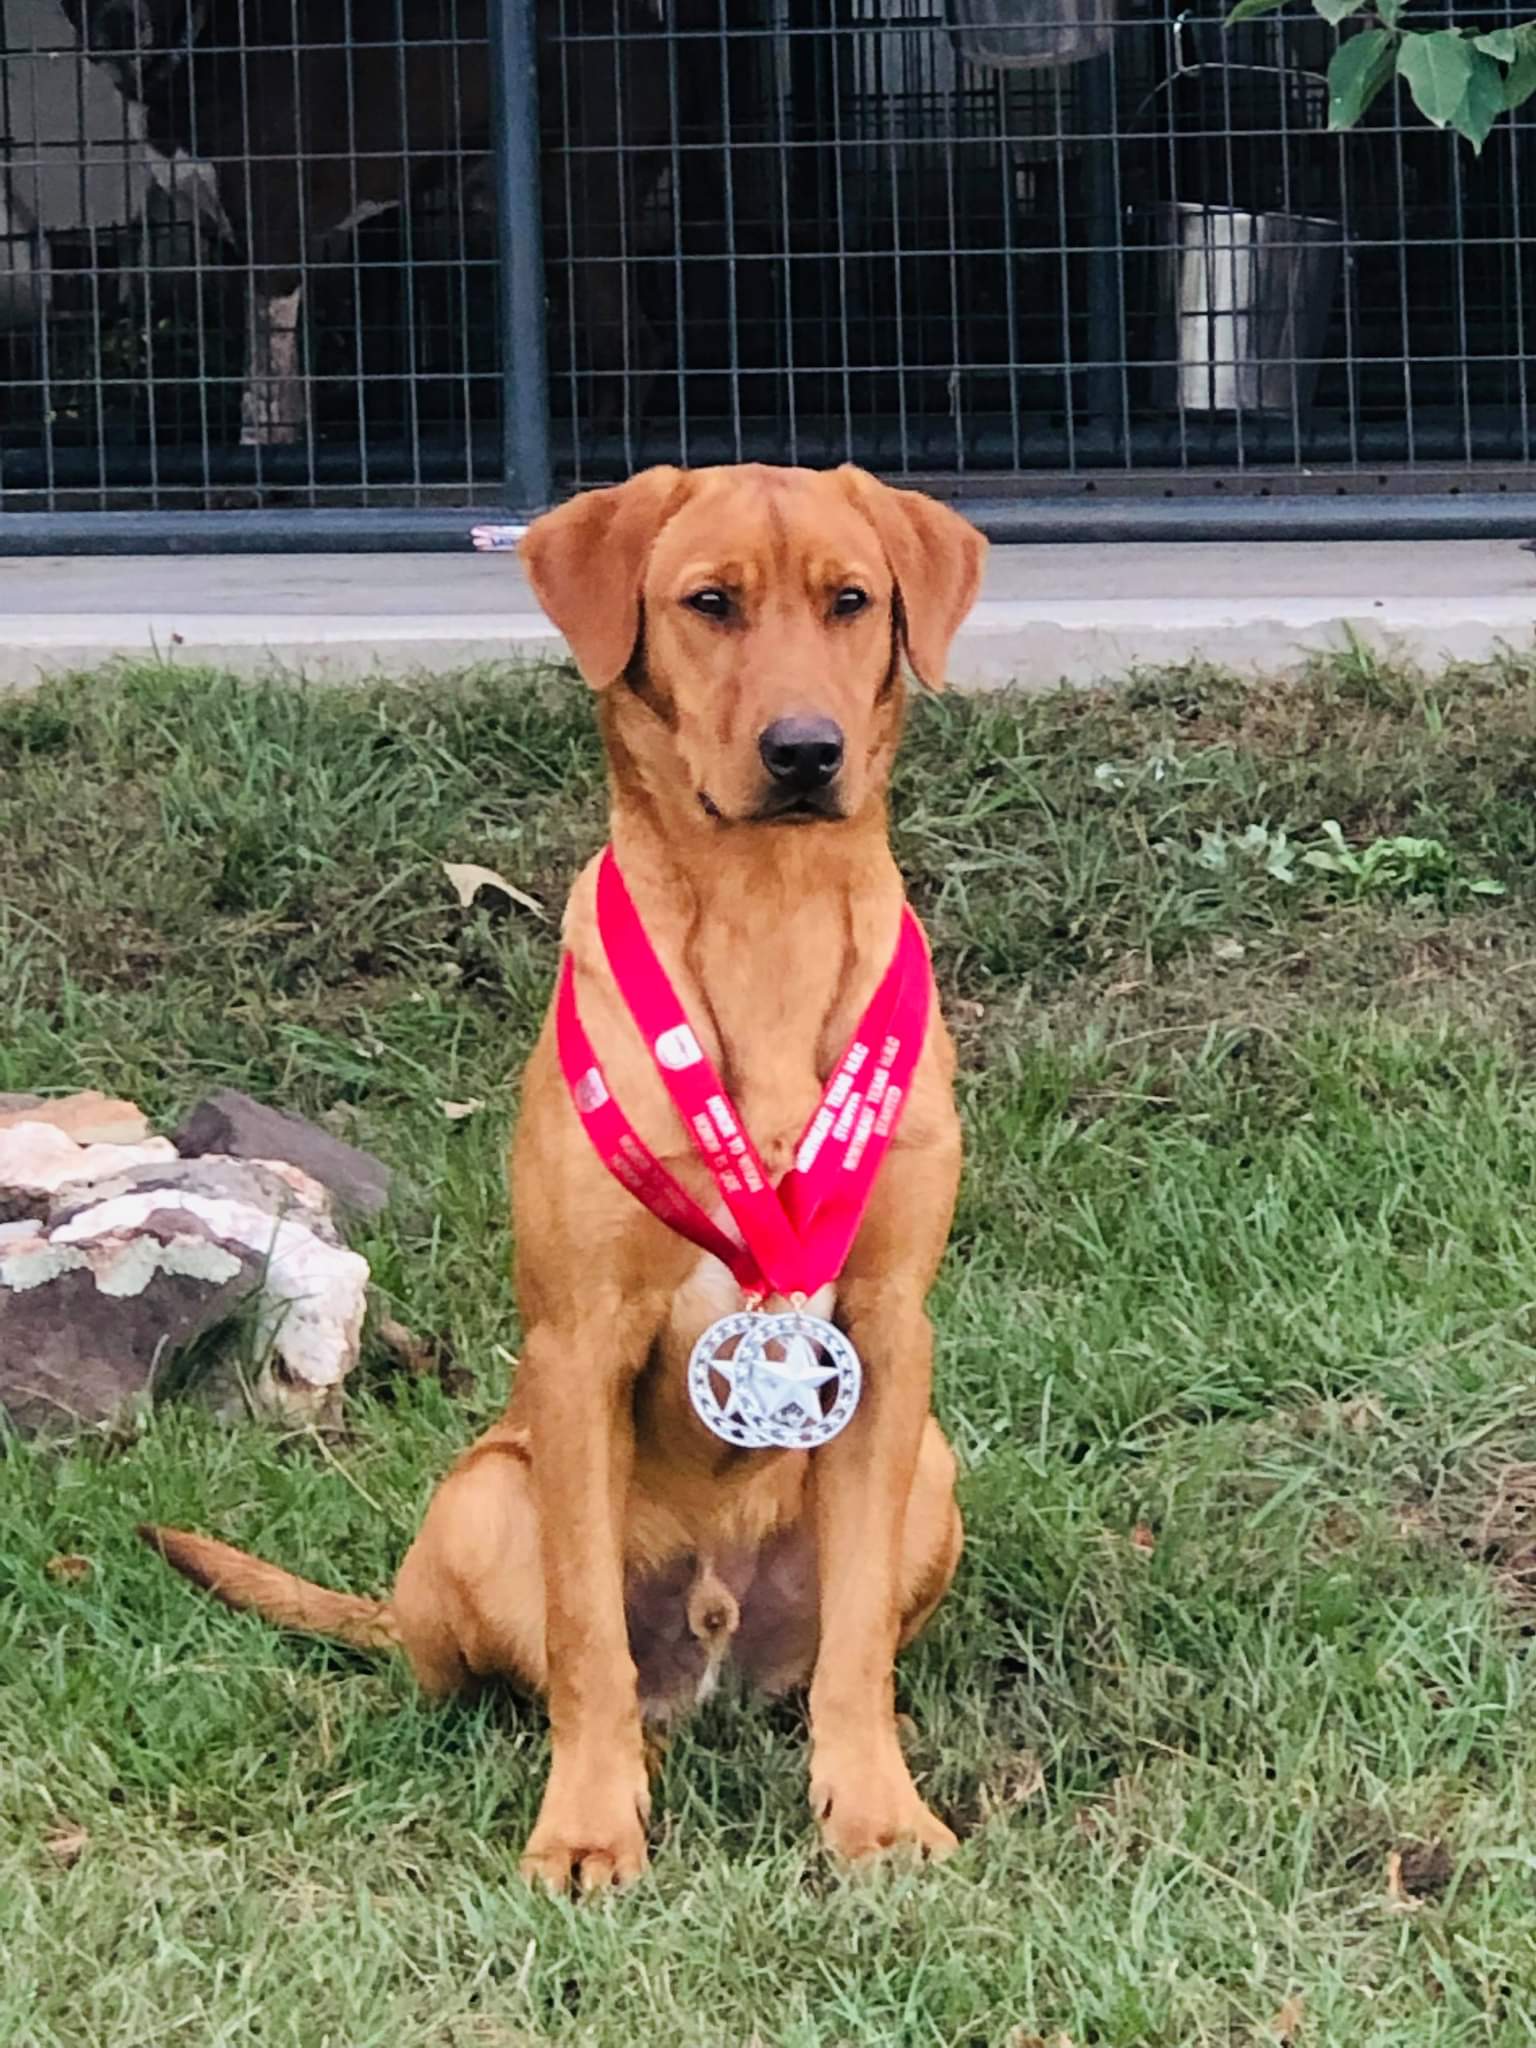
pixel 802 753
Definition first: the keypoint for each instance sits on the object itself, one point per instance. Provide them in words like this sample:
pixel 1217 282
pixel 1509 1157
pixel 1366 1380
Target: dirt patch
pixel 1419 1870
pixel 1484 1511
pixel 1503 1536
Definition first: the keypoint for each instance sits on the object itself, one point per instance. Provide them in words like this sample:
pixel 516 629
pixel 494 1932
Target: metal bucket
pixel 1242 303
pixel 1029 35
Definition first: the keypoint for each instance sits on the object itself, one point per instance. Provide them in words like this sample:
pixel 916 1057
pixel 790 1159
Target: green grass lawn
pixel 1232 1700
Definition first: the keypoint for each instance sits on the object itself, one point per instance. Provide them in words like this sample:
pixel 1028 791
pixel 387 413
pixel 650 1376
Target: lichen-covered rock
pixel 89 1117
pixel 106 1274
pixel 37 1159
pixel 85 1327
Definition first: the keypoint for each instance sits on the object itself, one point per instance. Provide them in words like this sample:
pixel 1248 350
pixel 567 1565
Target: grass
pixel 1233 1698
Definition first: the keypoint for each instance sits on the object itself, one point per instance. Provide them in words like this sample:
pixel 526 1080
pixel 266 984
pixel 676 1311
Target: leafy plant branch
pixel 1458 78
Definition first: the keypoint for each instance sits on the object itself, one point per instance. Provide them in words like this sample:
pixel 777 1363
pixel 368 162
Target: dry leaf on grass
pixel 412 1351
pixel 1142 1537
pixel 1020 1779
pixel 66 1844
pixel 1362 1417
pixel 457 1111
pixel 468 880
pixel 1286 2024
pixel 69 1570
pixel 423 1357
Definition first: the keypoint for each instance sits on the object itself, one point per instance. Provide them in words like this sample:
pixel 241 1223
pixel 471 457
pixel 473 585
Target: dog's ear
pixel 936 558
pixel 586 562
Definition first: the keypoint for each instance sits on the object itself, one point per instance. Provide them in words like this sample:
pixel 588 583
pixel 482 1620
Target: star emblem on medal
pixel 784 1390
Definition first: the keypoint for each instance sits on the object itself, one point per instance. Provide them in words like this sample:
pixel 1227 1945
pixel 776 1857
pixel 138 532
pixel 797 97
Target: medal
pixel 790 1382
pixel 760 1380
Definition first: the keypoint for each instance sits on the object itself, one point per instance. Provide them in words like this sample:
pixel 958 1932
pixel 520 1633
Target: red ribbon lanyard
pixel 793 1239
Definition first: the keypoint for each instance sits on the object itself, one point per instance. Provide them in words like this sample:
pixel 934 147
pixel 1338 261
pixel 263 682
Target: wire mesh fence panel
pixel 267 262
pixel 249 251
pixel 1041 239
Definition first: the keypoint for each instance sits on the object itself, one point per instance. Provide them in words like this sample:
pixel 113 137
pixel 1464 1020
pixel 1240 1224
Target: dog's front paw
pixel 869 1807
pixel 591 1828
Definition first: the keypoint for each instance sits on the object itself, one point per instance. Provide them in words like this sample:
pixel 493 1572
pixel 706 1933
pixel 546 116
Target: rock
pixel 114 1276
pixel 237 1127
pixel 84 1328
pixel 90 1117
pixel 36 1159
pixel 313 1291
pixel 271 1186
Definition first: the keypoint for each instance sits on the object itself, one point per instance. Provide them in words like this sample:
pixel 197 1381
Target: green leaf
pixel 1391 11
pixel 1361 66
pixel 1482 103
pixel 1500 43
pixel 1520 82
pixel 1437 68
pixel 1245 10
pixel 1337 10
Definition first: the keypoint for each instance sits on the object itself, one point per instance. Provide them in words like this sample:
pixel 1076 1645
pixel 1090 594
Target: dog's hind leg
pixel 469 1601
pixel 776 1643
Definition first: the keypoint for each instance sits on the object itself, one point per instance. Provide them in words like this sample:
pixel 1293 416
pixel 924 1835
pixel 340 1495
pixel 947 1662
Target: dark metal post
pixel 514 57
pixel 1102 264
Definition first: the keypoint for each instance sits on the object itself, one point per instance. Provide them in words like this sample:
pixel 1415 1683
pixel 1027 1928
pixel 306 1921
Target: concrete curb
pixel 1051 614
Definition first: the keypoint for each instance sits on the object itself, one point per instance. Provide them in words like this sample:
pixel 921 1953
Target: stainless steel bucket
pixel 1028 35
pixel 1242 307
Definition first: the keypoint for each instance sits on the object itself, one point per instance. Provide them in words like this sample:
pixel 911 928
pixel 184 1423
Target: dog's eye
pixel 709 604
pixel 849 599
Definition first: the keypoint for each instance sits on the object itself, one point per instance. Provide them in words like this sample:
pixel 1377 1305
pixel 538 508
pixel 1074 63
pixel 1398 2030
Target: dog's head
pixel 137 40
pixel 747 628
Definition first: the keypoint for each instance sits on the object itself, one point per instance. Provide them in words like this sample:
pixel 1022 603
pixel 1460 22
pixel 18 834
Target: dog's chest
pixel 709 1292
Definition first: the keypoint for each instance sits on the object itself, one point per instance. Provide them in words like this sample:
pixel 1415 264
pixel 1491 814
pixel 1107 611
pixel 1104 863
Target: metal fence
pixel 403 257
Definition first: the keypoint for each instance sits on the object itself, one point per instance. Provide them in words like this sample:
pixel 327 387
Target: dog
pixel 314 118
pixel 745 631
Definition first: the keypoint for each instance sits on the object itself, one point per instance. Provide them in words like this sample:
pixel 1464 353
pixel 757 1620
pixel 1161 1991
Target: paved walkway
pixel 1079 613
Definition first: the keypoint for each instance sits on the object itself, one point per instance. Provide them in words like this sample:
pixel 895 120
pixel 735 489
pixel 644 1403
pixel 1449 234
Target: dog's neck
pixel 779 870
pixel 778 935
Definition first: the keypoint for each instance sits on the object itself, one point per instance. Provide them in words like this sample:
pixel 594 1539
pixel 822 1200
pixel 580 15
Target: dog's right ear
pixel 586 562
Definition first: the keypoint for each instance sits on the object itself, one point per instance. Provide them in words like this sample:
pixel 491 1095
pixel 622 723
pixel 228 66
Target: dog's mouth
pixel 810 808
pixel 806 807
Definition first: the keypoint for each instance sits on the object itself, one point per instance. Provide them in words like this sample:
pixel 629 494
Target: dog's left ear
pixel 586 562
pixel 936 558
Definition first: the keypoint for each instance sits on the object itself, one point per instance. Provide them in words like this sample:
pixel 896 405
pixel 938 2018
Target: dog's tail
pixel 240 1580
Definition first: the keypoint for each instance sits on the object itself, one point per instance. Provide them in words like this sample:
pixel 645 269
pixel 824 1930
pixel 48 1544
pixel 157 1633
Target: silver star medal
pixel 776 1369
